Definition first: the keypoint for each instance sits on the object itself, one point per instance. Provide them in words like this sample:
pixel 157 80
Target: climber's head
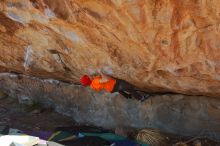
pixel 85 80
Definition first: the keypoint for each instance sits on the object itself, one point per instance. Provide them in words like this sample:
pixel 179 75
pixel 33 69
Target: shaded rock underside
pixel 178 114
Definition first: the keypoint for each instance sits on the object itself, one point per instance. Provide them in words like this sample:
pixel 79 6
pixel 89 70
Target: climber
pixel 112 85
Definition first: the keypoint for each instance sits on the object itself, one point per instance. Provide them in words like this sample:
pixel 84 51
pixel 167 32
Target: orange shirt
pixel 108 86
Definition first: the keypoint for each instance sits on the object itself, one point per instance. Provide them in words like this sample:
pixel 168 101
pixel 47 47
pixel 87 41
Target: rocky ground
pixel 31 117
pixel 35 117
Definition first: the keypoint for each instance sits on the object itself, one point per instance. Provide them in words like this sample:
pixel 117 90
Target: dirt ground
pixel 30 117
pixel 34 117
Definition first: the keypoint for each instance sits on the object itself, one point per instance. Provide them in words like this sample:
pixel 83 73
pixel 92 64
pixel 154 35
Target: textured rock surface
pixel 158 45
pixel 185 115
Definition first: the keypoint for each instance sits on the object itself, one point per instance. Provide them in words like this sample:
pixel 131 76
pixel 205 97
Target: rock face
pixel 157 45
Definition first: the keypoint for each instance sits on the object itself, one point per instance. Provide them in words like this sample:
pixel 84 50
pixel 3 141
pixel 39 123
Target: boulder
pixel 157 45
pixel 168 47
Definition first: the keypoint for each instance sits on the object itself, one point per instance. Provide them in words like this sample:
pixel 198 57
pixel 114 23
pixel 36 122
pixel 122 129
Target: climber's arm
pixel 105 78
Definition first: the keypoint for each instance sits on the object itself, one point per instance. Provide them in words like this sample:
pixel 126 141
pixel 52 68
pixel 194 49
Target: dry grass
pixel 151 137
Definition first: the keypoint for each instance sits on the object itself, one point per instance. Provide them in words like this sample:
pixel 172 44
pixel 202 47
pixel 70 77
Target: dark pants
pixel 126 89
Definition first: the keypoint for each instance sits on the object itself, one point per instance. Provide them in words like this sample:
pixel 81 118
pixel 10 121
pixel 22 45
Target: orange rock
pixel 157 45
